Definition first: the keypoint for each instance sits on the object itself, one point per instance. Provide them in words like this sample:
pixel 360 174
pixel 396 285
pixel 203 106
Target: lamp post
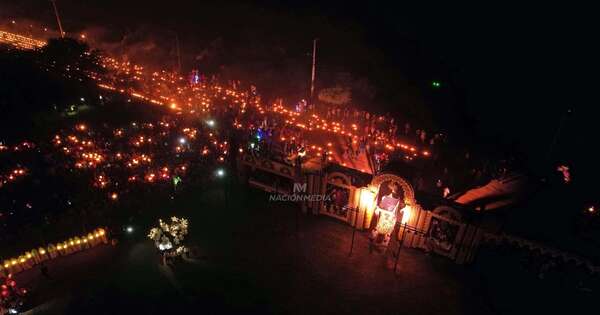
pixel 178 53
pixel 313 73
pixel 177 49
pixel 355 210
pixel 400 247
pixel 62 33
pixel 220 173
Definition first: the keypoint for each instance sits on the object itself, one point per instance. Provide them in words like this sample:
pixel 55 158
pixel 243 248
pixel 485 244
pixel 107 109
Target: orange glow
pixel 406 213
pixel 367 204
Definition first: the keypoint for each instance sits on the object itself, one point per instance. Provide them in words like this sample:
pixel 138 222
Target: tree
pixel 169 238
pixel 335 95
pixel 68 54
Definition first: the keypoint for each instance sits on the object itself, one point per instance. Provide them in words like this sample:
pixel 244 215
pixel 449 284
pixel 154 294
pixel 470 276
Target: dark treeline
pixel 41 83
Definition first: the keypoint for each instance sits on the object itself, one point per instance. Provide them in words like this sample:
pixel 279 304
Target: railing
pixel 404 228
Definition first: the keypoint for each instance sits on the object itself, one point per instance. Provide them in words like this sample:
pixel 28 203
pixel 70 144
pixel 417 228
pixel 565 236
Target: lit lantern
pixel 24 262
pixel 102 235
pixel 35 256
pixel 366 205
pixel 406 214
pixel 15 266
pixel 52 251
pixel 77 244
pixel 6 266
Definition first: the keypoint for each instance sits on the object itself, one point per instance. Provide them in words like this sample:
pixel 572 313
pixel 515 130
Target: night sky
pixel 509 73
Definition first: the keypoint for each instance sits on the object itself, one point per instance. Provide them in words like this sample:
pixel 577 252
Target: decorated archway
pixel 340 195
pixel 409 193
pixel 388 200
pixel 445 231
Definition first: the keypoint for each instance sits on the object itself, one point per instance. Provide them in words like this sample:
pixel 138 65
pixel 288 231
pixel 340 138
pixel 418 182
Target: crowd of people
pixel 284 132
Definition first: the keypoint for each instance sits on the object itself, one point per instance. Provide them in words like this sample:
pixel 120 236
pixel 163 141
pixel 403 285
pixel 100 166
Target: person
pixel 341 199
pixel 44 271
pixel 332 203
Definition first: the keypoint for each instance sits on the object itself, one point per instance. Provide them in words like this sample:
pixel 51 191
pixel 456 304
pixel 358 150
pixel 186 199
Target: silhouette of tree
pixel 70 55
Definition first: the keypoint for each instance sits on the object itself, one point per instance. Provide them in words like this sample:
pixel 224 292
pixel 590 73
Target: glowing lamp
pixel 367 198
pixel 406 213
pixel 367 204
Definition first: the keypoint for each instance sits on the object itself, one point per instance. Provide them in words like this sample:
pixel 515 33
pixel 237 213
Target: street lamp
pixel 220 173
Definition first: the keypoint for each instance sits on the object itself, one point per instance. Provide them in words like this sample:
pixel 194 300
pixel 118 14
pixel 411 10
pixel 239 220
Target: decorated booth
pixel 340 197
pixel 391 204
pixel 267 175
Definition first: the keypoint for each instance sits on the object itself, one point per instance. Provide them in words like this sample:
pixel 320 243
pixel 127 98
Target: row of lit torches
pixel 37 256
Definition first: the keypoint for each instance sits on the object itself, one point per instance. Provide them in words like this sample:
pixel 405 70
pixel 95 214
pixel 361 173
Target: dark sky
pixel 509 72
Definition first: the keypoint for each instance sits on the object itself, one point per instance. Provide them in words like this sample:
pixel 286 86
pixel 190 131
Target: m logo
pixel 299 187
